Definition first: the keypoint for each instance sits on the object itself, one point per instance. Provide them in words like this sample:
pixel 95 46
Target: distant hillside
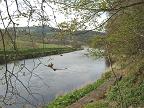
pixel 87 34
pixel 51 34
pixel 37 30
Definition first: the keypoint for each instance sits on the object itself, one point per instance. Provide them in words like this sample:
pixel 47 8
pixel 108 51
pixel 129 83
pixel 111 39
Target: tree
pixel 124 27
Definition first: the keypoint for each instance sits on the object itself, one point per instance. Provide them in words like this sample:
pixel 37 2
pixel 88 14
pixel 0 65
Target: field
pixel 27 44
pixel 26 50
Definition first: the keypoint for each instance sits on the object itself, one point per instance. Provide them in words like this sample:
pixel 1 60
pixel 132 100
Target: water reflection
pixel 74 71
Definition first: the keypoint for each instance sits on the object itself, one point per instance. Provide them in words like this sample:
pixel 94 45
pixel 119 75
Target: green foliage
pixel 98 42
pixel 92 4
pixel 67 99
pixel 132 91
pixel 103 4
pixel 96 53
pixel 125 36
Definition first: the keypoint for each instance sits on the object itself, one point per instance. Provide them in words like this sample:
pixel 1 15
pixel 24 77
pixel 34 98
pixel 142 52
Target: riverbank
pixel 20 54
pixel 70 98
pixel 68 76
pixel 127 91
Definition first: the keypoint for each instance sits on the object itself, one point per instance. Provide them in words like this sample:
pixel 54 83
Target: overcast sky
pixel 51 10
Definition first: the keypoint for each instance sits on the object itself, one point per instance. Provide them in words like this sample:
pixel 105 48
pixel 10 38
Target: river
pixel 75 70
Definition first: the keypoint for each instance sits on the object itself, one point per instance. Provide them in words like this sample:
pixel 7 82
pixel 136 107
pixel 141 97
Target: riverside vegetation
pixel 68 99
pixel 123 45
pixel 27 51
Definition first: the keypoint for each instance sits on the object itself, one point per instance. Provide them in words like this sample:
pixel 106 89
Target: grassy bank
pixel 68 99
pixel 28 49
pixel 132 91
pixel 132 94
pixel 128 92
pixel 28 53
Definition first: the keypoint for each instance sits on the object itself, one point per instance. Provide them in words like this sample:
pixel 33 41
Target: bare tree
pixel 35 13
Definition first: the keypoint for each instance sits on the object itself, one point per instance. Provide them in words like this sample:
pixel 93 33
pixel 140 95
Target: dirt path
pixel 96 95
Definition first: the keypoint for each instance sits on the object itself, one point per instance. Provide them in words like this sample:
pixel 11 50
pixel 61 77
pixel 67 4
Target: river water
pixel 75 70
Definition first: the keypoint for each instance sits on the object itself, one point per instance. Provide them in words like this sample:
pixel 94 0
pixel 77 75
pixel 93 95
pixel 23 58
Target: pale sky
pixel 50 10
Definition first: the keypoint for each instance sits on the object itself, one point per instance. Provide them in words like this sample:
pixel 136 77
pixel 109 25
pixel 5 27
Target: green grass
pixel 97 104
pixel 27 44
pixel 23 44
pixel 132 90
pixel 68 99
pixel 27 49
pixel 31 53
